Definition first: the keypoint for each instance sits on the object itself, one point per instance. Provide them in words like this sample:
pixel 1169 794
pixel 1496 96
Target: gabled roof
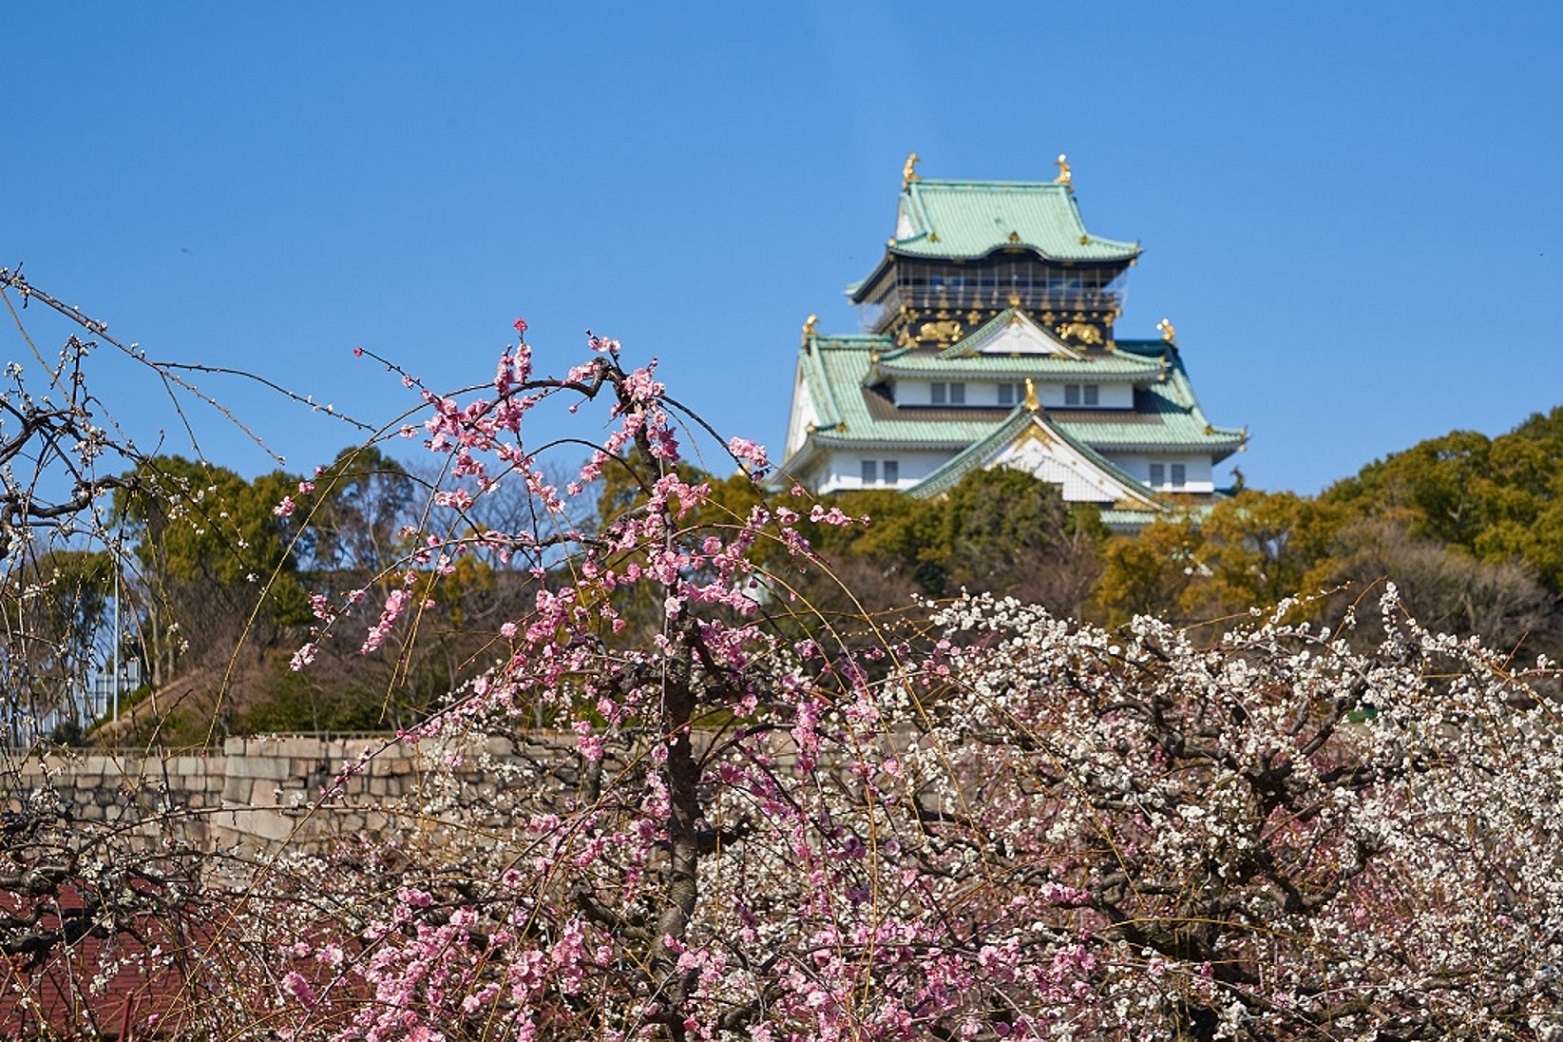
pixel 1011 331
pixel 1028 440
pixel 1008 346
pixel 970 219
pixel 974 218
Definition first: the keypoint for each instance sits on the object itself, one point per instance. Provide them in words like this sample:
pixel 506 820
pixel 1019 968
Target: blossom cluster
pixel 756 824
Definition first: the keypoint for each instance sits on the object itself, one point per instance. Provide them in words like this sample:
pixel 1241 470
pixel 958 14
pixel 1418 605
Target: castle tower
pixel 990 341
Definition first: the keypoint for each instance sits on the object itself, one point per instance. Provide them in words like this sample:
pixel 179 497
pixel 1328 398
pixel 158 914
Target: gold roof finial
pixel 1168 333
pixel 909 171
pixel 1031 402
pixel 1065 175
pixel 808 326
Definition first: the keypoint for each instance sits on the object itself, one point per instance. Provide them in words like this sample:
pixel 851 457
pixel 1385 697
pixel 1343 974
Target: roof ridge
pixel 946 182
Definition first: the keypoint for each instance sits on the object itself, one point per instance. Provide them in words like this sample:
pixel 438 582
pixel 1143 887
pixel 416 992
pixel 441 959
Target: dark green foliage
pixel 999 531
pixel 1500 499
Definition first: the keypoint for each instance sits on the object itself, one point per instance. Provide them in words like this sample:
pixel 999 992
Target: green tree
pixel 998 531
pixel 351 522
pixel 1150 572
pixel 1261 547
pixel 53 610
pixel 1500 499
pixel 213 556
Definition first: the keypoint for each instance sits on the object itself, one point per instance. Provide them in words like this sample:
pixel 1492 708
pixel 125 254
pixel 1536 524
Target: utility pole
pixel 116 629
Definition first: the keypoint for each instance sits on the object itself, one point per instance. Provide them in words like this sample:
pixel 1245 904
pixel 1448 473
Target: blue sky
pixel 1350 211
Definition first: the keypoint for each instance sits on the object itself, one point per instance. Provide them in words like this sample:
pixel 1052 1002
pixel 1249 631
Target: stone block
pixel 303 748
pixel 382 765
pixel 263 793
pixel 267 825
pixel 259 767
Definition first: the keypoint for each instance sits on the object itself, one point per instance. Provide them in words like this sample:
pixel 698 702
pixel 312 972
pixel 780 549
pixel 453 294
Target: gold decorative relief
pixel 1036 434
pixel 945 332
pixel 1080 333
pixel 1065 175
pixel 909 171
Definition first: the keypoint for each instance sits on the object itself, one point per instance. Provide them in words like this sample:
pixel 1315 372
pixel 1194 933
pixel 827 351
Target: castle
pixel 989 342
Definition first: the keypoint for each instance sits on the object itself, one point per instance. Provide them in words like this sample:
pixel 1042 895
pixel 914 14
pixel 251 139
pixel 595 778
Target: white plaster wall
pixel 844 470
pixel 1201 474
pixel 1112 396
pixel 1019 338
pixel 803 412
pixel 1079 481
pixel 916 393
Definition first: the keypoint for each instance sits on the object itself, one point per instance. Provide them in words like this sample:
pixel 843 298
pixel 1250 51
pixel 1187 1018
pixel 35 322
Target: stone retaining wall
pixel 265 791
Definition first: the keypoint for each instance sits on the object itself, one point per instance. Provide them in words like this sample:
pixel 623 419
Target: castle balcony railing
pixel 958 299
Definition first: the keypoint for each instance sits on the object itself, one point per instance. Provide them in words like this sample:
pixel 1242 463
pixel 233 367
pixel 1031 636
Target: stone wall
pixel 265 792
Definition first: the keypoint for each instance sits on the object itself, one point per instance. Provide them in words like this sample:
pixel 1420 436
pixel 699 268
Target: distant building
pixel 990 343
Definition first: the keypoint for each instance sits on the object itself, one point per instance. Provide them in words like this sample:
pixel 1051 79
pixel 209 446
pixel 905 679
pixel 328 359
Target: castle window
pixel 1012 394
pixel 1086 394
pixel 873 470
pixel 1158 475
pixel 947 394
pixel 1180 475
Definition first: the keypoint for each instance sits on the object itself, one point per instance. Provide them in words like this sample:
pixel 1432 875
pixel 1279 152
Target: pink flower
pixel 295 985
pixel 520 325
pixel 284 508
pixel 303 657
pixel 746 451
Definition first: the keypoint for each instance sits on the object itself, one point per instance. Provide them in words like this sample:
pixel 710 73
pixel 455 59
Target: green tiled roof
pixel 1166 415
pixel 1109 368
pixel 974 218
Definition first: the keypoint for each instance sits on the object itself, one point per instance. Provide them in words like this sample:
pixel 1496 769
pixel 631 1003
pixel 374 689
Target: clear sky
pixel 1351 211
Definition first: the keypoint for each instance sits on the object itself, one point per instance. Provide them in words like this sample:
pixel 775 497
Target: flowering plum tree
pixel 754 820
pixel 1001 825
